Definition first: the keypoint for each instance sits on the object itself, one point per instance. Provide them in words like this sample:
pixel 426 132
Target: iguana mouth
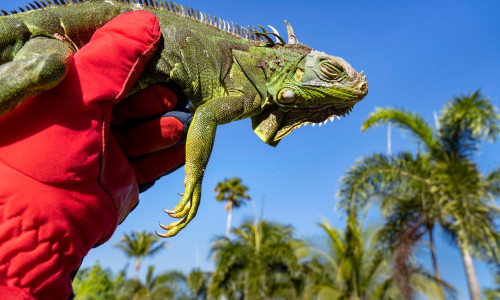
pixel 296 118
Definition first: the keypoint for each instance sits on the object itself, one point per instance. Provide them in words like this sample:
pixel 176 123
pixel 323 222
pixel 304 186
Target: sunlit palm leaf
pixel 411 122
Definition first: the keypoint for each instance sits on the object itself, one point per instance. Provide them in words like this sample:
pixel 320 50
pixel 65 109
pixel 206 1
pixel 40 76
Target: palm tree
pixel 234 193
pixel 139 245
pixel 353 265
pixel 401 185
pixel 198 282
pixel 443 184
pixel 258 263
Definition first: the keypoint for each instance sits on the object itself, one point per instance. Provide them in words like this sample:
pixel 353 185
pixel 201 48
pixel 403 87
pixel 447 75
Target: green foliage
pixel 353 265
pixel 259 262
pixel 94 284
pixel 262 261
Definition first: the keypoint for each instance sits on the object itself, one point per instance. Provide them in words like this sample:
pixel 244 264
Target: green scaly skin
pixel 227 75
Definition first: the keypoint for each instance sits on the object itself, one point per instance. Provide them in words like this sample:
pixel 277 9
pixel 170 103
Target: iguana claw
pixel 163 235
pixel 184 211
pixel 181 205
pixel 168 211
pixel 173 228
pixel 180 214
pixel 170 226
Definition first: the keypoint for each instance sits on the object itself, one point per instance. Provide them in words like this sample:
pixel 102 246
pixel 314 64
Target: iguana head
pixel 314 88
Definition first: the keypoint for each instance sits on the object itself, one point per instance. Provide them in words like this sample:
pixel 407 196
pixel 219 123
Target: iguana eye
pixel 286 96
pixel 330 70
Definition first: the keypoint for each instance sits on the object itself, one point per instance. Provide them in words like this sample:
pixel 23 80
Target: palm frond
pixel 383 178
pixel 467 120
pixel 427 284
pixel 232 190
pixel 492 182
pixel 472 112
pixel 411 122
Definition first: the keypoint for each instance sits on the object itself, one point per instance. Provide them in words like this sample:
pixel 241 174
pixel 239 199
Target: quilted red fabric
pixel 64 182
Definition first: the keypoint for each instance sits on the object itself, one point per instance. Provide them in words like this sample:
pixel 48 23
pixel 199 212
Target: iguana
pixel 228 72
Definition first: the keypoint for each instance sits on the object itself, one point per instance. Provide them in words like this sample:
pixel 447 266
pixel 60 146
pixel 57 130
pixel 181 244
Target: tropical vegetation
pixel 258 263
pixel 353 264
pixel 439 185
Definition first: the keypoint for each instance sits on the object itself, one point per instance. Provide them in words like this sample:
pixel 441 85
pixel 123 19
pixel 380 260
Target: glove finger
pixel 156 134
pixel 153 101
pixel 153 166
pixel 116 55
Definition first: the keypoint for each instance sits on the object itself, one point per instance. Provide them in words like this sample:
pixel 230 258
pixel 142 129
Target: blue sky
pixel 416 55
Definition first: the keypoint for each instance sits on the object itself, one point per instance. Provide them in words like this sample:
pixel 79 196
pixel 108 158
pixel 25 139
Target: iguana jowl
pixel 228 72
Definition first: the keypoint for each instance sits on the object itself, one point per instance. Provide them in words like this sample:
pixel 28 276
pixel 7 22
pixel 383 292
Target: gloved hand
pixel 66 179
pixel 154 145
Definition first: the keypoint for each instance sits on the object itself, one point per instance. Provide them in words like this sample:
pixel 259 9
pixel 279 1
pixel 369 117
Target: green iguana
pixel 228 72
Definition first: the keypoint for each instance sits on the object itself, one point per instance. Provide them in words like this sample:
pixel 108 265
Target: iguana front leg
pixel 40 65
pixel 199 144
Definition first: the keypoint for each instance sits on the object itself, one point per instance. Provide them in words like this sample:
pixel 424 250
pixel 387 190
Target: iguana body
pixel 229 73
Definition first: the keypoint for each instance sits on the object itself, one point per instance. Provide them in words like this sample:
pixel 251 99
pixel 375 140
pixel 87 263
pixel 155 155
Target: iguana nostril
pixel 363 86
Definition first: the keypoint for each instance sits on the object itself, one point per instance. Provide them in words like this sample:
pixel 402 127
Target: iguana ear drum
pixel 286 96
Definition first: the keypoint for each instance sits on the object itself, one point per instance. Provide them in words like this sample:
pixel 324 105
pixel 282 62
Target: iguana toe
pixel 171 225
pixel 187 213
pixel 181 213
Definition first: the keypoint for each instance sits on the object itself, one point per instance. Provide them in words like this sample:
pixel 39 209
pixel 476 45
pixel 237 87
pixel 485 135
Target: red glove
pixel 65 181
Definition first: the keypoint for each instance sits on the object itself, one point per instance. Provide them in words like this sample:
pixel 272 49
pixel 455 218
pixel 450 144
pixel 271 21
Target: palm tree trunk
pixel 433 255
pixel 406 241
pixel 229 208
pixel 437 273
pixel 137 265
pixel 474 290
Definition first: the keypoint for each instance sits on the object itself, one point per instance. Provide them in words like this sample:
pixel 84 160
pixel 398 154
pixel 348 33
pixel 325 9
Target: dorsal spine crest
pixel 251 34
